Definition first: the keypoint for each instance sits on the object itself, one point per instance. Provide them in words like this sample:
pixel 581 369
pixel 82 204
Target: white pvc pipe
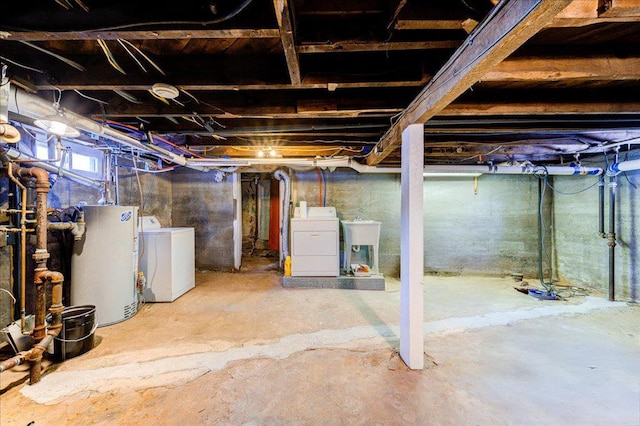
pixel 624 166
pixel 363 168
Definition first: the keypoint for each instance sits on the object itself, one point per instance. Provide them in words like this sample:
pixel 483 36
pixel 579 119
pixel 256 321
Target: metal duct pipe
pixel 611 237
pixel 623 166
pixel 21 102
pixel 284 223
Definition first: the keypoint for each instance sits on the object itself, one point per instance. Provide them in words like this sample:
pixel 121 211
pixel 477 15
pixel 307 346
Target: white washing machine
pixel 315 241
pixel 168 260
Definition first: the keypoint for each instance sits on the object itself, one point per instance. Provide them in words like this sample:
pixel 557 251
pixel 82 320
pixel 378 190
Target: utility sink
pixel 361 233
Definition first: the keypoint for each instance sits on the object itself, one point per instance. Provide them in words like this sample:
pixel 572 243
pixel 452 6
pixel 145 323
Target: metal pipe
pixel 23 244
pixel 35 107
pixel 363 168
pixel 611 236
pixel 601 208
pixel 14 155
pixel 624 166
pixel 77 228
pixel 284 223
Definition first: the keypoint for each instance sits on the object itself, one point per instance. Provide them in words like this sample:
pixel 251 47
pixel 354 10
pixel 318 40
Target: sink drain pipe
pixel 284 221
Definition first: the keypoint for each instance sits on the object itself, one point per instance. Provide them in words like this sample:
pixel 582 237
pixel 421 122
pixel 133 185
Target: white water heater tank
pixel 104 264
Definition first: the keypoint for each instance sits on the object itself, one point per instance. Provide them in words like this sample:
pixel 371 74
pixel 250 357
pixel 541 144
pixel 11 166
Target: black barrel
pixel 77 334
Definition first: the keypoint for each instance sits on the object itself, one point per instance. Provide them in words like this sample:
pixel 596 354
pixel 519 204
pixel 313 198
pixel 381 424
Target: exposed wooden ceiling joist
pixel 592 68
pixel 285 23
pixel 139 35
pixel 354 46
pixel 508 28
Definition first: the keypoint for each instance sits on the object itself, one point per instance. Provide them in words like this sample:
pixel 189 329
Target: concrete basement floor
pixel 240 349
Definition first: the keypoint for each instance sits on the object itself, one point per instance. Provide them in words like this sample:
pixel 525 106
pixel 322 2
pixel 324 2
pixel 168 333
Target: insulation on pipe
pixel 623 166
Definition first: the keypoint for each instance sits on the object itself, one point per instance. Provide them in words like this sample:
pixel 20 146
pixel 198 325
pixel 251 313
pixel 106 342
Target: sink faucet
pixel 358 218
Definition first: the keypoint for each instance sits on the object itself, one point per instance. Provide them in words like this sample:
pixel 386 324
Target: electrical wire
pixel 146 197
pixel 126 49
pixel 107 52
pixel 21 65
pixel 91 98
pixel 324 188
pixel 135 157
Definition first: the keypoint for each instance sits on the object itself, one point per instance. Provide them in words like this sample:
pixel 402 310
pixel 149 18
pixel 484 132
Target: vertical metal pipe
pixel 23 244
pixel 611 236
pixel 601 208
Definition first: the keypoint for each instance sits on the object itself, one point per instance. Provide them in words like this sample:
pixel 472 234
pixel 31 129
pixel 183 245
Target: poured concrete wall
pixel 582 255
pixel 201 202
pixel 157 194
pixel 493 231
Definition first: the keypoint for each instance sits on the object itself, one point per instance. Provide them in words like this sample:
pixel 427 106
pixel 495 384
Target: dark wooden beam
pixel 133 86
pixel 354 46
pixel 285 24
pixel 507 29
pixel 595 68
pixel 429 24
pixel 142 35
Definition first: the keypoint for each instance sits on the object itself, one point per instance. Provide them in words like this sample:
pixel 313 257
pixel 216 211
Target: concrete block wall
pixel 493 231
pixel 582 256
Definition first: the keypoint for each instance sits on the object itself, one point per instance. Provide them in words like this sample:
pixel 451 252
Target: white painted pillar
pixel 236 189
pixel 412 248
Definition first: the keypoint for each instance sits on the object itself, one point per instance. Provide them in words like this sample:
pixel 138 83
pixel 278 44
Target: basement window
pixel 79 158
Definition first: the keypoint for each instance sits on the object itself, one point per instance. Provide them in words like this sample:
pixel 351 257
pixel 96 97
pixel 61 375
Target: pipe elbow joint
pixel 613 169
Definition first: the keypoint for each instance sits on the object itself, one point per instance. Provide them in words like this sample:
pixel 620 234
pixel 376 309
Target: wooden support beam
pixel 510 26
pixel 347 46
pixel 585 12
pixel 141 35
pixel 599 68
pixel 283 15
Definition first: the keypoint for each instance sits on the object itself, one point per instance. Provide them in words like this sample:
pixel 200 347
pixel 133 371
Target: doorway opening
pixel 260 221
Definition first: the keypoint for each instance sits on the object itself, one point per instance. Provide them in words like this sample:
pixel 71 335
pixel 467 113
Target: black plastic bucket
pixel 77 334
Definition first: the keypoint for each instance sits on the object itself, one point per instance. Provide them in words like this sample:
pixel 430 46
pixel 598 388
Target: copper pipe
pixel 23 245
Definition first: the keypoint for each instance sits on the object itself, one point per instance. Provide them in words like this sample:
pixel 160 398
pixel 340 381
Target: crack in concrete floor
pixel 180 369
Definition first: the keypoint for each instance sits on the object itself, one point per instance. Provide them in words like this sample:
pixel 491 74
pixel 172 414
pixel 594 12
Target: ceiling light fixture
pixel 57 124
pixel 166 91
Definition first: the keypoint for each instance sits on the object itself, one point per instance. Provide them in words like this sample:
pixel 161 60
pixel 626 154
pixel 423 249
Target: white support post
pixel 412 248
